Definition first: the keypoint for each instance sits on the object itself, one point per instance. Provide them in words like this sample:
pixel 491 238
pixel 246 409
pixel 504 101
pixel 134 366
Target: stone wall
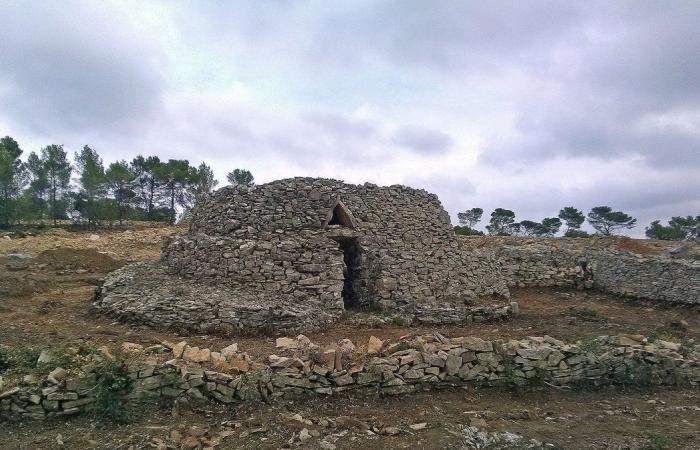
pixel 542 264
pixel 647 277
pixel 586 263
pixel 424 362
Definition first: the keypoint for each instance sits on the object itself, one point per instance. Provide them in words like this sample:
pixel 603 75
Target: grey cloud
pixel 422 140
pixel 341 126
pixel 637 63
pixel 73 66
pixel 447 34
pixel 594 70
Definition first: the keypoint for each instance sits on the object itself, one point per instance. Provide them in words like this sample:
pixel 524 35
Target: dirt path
pixel 566 420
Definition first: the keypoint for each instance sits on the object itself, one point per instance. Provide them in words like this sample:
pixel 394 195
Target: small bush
pixel 4 360
pixel 587 314
pixel 511 380
pixel 112 383
pixel 634 375
pixel 590 346
pixel 657 442
pixel 22 358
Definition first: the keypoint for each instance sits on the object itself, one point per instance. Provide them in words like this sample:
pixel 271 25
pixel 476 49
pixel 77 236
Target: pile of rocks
pixel 410 364
pixel 474 437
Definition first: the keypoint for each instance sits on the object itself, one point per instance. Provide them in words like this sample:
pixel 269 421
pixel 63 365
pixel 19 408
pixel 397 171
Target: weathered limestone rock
pixel 287 343
pixel 374 345
pixel 178 349
pixel 230 351
pixel 130 347
pixel 57 376
pixel 195 354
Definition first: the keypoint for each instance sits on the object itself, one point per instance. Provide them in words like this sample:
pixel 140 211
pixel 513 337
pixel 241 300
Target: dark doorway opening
pixel 341 216
pixel 352 258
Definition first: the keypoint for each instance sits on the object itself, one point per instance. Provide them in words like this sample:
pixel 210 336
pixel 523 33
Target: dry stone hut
pixel 293 254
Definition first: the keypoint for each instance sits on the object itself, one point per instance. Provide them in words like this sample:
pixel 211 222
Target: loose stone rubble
pixel 473 437
pixel 293 254
pixel 413 363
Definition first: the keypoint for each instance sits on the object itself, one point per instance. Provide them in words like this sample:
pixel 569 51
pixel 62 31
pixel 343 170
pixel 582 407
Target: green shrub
pixel 4 360
pixel 23 358
pixel 587 314
pixel 112 383
pixel 657 442
pixel 590 346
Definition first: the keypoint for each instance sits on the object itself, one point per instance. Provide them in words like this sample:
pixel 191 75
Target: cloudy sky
pixel 525 105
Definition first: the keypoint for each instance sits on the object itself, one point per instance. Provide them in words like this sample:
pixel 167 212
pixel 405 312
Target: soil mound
pixel 71 259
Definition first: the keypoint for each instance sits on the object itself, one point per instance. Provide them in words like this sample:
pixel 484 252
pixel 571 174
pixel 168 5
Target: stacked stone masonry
pixel 579 263
pixel 292 255
pixel 304 250
pixel 409 365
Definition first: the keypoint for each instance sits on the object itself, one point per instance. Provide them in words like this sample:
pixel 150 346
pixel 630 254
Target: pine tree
pixel 12 179
pixel 119 179
pixel 146 183
pixel 93 184
pixel 35 204
pixel 573 219
pixel 58 171
pixel 176 176
pixel 502 222
pixel 240 176
pixel 606 221
pixel 202 182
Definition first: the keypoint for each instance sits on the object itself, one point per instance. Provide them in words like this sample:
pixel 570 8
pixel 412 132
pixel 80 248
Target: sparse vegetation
pixel 633 376
pixel 590 346
pixel 658 442
pixel 587 313
pixel 112 383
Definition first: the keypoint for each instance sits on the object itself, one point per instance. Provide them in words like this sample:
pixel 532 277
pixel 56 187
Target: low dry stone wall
pixel 411 364
pixel 586 264
pixel 647 277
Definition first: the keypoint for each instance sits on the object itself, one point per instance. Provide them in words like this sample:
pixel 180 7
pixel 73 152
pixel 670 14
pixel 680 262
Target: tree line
pixel 603 219
pixel 48 187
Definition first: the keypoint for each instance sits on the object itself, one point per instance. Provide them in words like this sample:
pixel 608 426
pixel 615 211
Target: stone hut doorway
pixel 342 226
pixel 352 257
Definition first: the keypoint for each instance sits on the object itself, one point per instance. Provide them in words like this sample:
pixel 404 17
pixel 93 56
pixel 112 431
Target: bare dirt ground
pixel 623 243
pixel 45 302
